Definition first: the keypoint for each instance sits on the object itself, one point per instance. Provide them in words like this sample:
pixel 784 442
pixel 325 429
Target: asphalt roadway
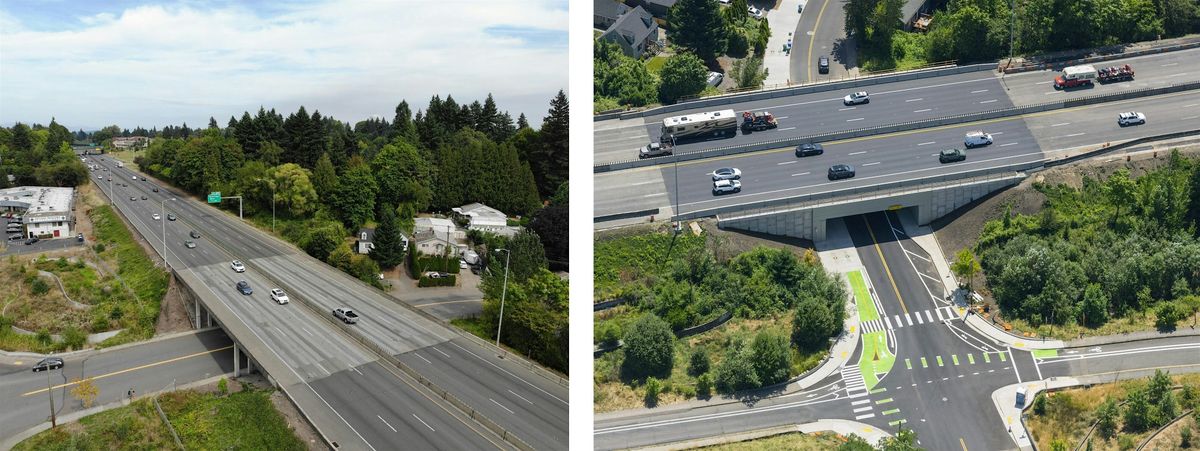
pixel 531 407
pixel 821 31
pixel 145 367
pixel 940 384
pixel 774 174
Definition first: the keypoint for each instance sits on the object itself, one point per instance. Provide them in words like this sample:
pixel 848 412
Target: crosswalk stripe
pixel 919 320
pixel 863 417
pixel 863 409
pixel 855 403
pixel 908 318
pixel 939 315
pixel 888 321
pixel 898 322
pixel 928 316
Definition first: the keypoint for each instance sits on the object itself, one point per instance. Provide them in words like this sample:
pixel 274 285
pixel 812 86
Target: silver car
pixel 856 98
pixel 727 174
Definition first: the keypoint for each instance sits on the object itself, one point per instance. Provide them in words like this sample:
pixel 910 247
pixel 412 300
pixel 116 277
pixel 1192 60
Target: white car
pixel 726 186
pixel 714 78
pixel 135 177
pixel 157 217
pixel 1131 118
pixel 976 139
pixel 727 174
pixel 237 266
pixel 856 98
pixel 754 12
pixel 279 296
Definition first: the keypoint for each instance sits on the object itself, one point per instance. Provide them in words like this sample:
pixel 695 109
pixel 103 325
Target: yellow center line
pixel 885 265
pixel 888 135
pixel 963 443
pixel 814 38
pixel 114 373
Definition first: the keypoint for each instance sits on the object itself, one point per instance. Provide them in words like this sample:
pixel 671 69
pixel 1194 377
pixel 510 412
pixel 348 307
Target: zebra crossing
pixel 909 319
pixel 856 387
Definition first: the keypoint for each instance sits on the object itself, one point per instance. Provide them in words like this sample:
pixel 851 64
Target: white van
pixel 976 139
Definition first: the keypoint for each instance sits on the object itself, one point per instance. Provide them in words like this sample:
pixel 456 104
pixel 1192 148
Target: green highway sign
pixel 214 197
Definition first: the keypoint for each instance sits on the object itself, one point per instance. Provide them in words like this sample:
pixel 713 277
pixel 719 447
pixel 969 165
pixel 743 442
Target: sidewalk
pixel 782 21
pixel 1004 399
pixel 844 428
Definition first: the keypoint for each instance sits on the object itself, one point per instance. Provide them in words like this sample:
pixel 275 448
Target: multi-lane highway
pixel 940 382
pixel 777 173
pixel 381 407
pixel 145 367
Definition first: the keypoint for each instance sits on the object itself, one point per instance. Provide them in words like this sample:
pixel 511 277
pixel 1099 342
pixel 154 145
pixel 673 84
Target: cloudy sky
pixel 154 63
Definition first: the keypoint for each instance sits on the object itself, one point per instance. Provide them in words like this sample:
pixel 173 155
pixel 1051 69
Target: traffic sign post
pixel 214 197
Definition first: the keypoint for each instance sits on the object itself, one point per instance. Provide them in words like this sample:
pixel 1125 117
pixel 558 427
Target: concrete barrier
pixel 1099 58
pixel 898 127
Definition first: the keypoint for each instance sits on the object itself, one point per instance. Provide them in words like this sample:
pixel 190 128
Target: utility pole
pixel 503 292
pixel 50 394
pixel 677 225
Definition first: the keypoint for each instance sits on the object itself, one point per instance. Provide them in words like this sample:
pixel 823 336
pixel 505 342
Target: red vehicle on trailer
pixel 756 121
pixel 1115 73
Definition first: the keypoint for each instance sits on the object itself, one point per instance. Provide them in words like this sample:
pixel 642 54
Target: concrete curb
pixel 1130 338
pixel 841 427
pixel 1004 399
pixel 985 328
pixel 14 440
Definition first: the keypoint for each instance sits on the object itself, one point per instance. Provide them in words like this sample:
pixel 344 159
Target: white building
pixel 48 212
pixel 431 242
pixel 442 230
pixel 485 219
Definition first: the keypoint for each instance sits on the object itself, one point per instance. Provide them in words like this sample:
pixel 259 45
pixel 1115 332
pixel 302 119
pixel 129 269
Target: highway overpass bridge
pixel 397 378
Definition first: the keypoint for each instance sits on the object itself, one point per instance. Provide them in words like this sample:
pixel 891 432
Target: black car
pixel 808 149
pixel 156 190
pixel 823 64
pixel 170 216
pixel 143 197
pixel 48 363
pixel 952 155
pixel 79 237
pixel 841 171
pixel 244 287
pixel 33 240
pixel 194 234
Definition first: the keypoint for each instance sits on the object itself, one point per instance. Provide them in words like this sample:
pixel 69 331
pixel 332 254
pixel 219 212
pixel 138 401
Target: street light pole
pixel 50 394
pixel 163 219
pixel 676 171
pixel 503 292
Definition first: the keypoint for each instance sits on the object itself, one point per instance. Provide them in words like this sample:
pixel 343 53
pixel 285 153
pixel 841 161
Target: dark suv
pixel 244 287
pixel 952 155
pixel 808 149
pixel 823 64
pixel 841 171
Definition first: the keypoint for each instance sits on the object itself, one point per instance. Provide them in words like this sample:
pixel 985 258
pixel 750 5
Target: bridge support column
pixel 249 365
pixel 237 360
pixel 198 310
pixel 209 319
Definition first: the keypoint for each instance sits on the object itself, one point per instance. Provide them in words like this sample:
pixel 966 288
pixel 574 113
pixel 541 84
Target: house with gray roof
pixel 658 8
pixel 606 12
pixel 635 32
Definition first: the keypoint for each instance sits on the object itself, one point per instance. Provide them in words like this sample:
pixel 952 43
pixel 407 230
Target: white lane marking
pixel 923 110
pixel 863 417
pixel 1014 364
pixel 643 183
pixel 787 128
pixel 1060 124
pixel 898 322
pixel 306 331
pixel 997 133
pixel 423 422
pixel 1191 105
pixel 356 370
pixel 928 316
pixel 442 353
pixel 945 378
pixel 857 153
pixel 863 409
pixel 501 405
pixel 1074 134
pixel 908 318
pixel 782 117
pixel 991 371
pixel 1190 117
pixel 887 321
pixel 855 119
pixel 1007 144
pixel 979 91
pixel 1178 75
pixel 859 403
pixel 917 255
pixel 1036 367
pixel 960 375
pixel 1044 82
pixel 988 101
pixel 522 397
pixel 1051 93
pixel 423 358
pixel 847 109
pixel 914 100
pixel 786 162
pixel 385 422
pixel 919 320
pixel 802 173
pixel 869 164
pixel 509 373
pixel 1169 64
pixel 975 373
pixel 655 195
pixel 927 143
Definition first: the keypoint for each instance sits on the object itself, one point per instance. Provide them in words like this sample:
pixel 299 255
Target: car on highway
pixel 654 150
pixel 110 179
pixel 194 234
pixel 809 149
pixel 727 174
pixel 189 244
pixel 823 64
pixel 279 296
pixel 1131 118
pixel 346 315
pixel 726 186
pixel 977 139
pixel 856 98
pixel 143 197
pixel 951 155
pixel 155 189
pixel 237 266
pixel 157 217
pixel 135 177
pixel 132 198
pixel 841 171
pixel 244 288
pixel 48 363
pixel 714 78
pixel 170 216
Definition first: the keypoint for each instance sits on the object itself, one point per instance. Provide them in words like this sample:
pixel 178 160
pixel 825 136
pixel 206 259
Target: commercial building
pixel 46 212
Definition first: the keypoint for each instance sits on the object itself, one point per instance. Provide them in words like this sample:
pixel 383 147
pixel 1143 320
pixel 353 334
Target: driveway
pixel 446 303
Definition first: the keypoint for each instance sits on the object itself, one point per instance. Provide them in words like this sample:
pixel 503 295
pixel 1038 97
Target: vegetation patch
pixel 794 441
pixel 136 270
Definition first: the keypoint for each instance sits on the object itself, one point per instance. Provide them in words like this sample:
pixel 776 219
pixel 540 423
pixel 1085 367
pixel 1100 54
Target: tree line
pixel 39 155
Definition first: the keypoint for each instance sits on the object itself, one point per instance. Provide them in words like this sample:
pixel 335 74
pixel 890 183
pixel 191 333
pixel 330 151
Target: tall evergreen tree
pixel 388 241
pixel 403 124
pixel 551 164
pixel 700 27
pixel 324 177
pixel 522 122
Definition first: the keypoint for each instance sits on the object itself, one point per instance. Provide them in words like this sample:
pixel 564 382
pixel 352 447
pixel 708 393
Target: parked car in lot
pixel 714 78
pixel 841 171
pixel 856 98
pixel 809 149
pixel 237 266
pixel 976 139
pixel 346 315
pixel 1131 118
pixel 189 244
pixel 952 155
pixel 156 189
pixel 244 288
pixel 279 296
pixel 33 240
pixel 79 237
pixel 726 186
pixel 727 174
pixel 131 198
pixel 823 64
pixel 48 363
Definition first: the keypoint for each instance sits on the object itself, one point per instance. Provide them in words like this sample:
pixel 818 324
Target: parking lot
pixel 18 246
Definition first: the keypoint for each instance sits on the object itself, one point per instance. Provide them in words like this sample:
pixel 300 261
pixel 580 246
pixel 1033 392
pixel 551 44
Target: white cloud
pixel 155 65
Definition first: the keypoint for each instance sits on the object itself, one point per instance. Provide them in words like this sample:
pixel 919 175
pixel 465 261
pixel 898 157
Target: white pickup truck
pixel 346 315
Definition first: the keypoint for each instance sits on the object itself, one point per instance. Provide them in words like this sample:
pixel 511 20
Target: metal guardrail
pixel 769 93
pixel 897 127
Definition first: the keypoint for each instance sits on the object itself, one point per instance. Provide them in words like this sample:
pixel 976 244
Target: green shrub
pixel 699 362
pixel 223 386
pixel 1126 442
pixel 100 323
pixel 99 248
pixel 649 348
pixel 1039 405
pixel 43 336
pixel 653 387
pixel 73 338
pixel 39 286
pixel 704 386
pixel 5 323
pixel 608 333
pixel 1185 437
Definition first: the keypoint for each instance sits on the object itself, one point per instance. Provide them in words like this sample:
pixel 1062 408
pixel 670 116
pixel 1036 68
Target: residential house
pixel 606 12
pixel 658 8
pixel 443 228
pixel 635 32
pixel 483 218
pixel 431 242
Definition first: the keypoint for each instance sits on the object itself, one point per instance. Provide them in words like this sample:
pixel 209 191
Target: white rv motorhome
pixel 714 123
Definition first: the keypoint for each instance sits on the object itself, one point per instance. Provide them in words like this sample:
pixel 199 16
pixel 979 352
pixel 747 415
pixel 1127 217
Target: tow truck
pixel 758 121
